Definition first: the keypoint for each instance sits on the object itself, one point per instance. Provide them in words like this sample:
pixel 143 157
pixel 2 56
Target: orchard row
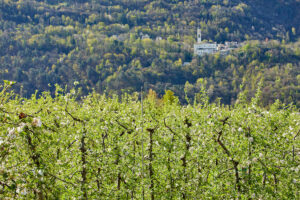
pixel 132 148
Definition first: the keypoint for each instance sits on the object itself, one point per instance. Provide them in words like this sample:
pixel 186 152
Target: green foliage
pixel 105 45
pixel 169 97
pixel 104 148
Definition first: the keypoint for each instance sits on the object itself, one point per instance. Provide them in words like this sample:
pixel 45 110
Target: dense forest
pixel 118 46
pixel 124 148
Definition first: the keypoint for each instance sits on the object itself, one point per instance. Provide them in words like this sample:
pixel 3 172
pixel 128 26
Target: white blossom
pixel 240 129
pixel 21 127
pixel 24 192
pixel 11 131
pixel 36 122
pixel 250 139
pixel 261 155
pixel 40 172
pixel 192 149
pixel 294 181
pixel 284 134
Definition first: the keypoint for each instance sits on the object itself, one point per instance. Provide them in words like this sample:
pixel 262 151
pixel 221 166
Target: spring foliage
pixel 63 148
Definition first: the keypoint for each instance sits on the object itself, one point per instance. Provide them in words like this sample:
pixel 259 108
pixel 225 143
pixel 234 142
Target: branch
pixel 49 128
pixel 227 170
pixel 224 121
pixel 263 164
pixel 169 127
pixel 297 135
pixel 83 151
pixel 234 162
pixel 61 179
pixel 4 184
pixel 294 145
pixel 37 112
pixel 5 89
pixel 74 118
pixel 6 111
pixel 122 125
pixel 129 131
pixel 222 145
pixel 69 146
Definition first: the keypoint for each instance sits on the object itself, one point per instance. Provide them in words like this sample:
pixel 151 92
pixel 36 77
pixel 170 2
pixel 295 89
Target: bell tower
pixel 199 35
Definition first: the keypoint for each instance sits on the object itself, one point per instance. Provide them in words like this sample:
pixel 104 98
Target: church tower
pixel 199 35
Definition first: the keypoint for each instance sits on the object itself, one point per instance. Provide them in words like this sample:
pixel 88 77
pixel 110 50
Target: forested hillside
pixel 105 46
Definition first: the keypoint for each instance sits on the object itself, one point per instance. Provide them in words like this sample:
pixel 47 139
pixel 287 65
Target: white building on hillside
pixel 201 48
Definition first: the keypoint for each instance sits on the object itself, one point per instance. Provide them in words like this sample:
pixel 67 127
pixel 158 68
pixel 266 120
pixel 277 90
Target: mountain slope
pixel 100 45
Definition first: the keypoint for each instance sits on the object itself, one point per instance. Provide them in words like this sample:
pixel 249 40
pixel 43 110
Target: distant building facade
pixel 205 48
pixel 144 36
pixel 202 48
